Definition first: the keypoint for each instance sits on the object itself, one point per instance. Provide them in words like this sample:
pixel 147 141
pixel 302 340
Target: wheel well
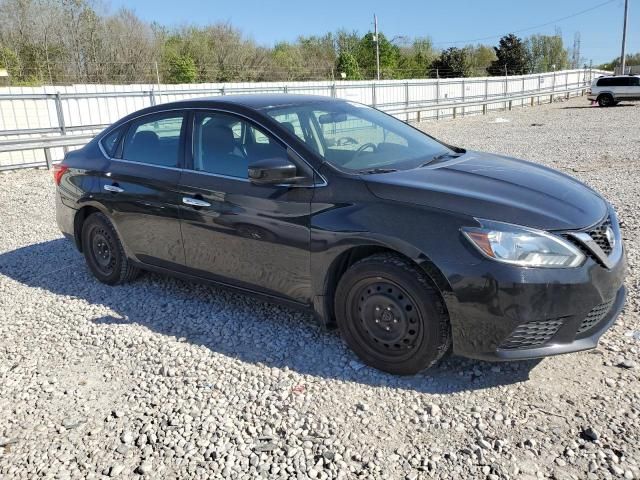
pixel 351 256
pixel 80 217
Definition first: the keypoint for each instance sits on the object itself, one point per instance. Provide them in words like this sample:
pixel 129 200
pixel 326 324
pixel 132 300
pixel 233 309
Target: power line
pixel 581 12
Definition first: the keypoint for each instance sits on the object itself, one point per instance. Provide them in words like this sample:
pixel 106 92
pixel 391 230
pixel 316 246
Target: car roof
pixel 260 101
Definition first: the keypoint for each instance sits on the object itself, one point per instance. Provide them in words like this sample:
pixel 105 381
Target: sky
pixel 446 22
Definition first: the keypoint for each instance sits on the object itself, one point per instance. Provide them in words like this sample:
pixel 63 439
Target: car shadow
pixel 596 106
pixel 212 317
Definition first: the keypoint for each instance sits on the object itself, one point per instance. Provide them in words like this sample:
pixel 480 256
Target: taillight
pixel 58 172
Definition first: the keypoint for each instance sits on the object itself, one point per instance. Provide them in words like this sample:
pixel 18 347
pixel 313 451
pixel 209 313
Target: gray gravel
pixel 168 379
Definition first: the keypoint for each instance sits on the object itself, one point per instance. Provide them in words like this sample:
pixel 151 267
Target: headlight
pixel 523 246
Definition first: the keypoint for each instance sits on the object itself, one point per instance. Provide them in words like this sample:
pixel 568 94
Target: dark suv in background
pixel 411 246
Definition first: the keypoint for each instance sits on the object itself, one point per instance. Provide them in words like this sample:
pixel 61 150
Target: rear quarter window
pixel 110 142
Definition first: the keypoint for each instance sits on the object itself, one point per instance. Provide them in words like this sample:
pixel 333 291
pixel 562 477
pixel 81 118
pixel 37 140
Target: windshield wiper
pixel 440 157
pixel 377 170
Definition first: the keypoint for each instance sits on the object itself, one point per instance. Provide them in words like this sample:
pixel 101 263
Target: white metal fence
pixel 28 112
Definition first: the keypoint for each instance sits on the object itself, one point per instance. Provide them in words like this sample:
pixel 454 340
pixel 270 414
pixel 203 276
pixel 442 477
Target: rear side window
pixel 110 142
pixel 154 139
pixel 605 82
pixel 634 81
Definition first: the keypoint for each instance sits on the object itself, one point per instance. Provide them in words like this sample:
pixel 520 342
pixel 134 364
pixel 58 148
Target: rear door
pixel 251 236
pixel 633 90
pixel 140 188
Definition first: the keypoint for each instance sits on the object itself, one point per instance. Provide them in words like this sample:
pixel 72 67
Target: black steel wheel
pixel 391 316
pixel 104 253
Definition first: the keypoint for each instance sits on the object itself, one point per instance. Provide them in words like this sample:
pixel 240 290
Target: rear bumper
pixel 505 313
pixel 65 216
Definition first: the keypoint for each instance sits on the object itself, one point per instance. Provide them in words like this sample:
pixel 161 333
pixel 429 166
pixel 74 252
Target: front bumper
pixel 500 312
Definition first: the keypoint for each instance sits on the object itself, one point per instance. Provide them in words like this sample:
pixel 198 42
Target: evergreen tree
pixel 512 57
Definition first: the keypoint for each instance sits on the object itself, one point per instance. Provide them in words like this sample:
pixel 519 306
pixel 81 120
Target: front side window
pixel 224 144
pixel 355 137
pixel 154 139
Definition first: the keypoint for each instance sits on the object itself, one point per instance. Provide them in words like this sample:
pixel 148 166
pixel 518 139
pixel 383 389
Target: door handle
pixel 113 188
pixel 195 202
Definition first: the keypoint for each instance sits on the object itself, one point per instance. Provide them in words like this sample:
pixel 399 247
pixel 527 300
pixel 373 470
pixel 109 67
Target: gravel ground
pixel 167 379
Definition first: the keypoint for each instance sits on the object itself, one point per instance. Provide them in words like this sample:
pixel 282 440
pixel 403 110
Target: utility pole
pixel 624 36
pixel 375 38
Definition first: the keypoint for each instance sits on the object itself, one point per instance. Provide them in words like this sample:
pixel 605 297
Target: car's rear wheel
pixel 605 100
pixel 391 315
pixel 104 253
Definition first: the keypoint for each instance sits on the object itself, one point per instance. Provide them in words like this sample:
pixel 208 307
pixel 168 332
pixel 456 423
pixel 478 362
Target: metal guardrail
pixel 47 143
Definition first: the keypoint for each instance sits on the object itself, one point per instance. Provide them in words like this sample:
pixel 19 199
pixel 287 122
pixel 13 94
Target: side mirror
pixel 273 171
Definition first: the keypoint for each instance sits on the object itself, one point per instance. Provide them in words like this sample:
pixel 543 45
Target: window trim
pixel 188 112
pixel 181 138
pixel 189 152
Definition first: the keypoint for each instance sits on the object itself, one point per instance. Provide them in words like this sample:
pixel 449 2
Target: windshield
pixel 357 138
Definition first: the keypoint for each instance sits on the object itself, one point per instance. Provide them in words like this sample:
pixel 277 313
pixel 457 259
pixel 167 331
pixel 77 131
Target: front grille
pixel 599 236
pixel 594 317
pixel 532 334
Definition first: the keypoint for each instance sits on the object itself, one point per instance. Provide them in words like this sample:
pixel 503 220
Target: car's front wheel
pixel 391 315
pixel 104 253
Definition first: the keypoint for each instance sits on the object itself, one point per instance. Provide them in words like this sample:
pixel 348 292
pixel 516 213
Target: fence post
pixel 334 93
pixel 506 84
pixel 61 124
pixel 437 94
pixel 222 92
pixel 152 98
pixel 566 84
pixel 486 96
pixel 47 157
pixel 463 95
pixel 60 114
pixel 406 97
pixel 553 85
pixel 373 94
pixel 522 101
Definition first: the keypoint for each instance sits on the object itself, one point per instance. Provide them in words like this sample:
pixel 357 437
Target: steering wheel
pixel 362 148
pixel 342 141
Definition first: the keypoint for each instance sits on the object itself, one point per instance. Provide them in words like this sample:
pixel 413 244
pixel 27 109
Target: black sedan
pixel 413 247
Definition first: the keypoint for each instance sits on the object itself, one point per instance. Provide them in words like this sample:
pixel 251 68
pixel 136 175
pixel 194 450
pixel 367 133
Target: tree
pixel 453 62
pixel 545 51
pixel 631 59
pixel 366 56
pixel 415 61
pixel 348 65
pixel 182 69
pixel 512 57
pixel 480 58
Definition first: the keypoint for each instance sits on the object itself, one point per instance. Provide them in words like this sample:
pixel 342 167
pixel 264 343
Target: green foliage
pixel 453 62
pixel 80 41
pixel 512 57
pixel 545 51
pixel 480 58
pixel 182 69
pixel 9 60
pixel 366 56
pixel 348 65
pixel 631 59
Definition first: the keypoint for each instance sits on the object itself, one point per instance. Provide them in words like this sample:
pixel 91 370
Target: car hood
pixel 495 188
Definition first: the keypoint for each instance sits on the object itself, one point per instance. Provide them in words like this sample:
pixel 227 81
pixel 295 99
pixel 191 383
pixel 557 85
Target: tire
pixel 391 316
pixel 605 100
pixel 104 253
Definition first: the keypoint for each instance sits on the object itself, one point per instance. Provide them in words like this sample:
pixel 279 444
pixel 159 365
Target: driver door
pixel 233 231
